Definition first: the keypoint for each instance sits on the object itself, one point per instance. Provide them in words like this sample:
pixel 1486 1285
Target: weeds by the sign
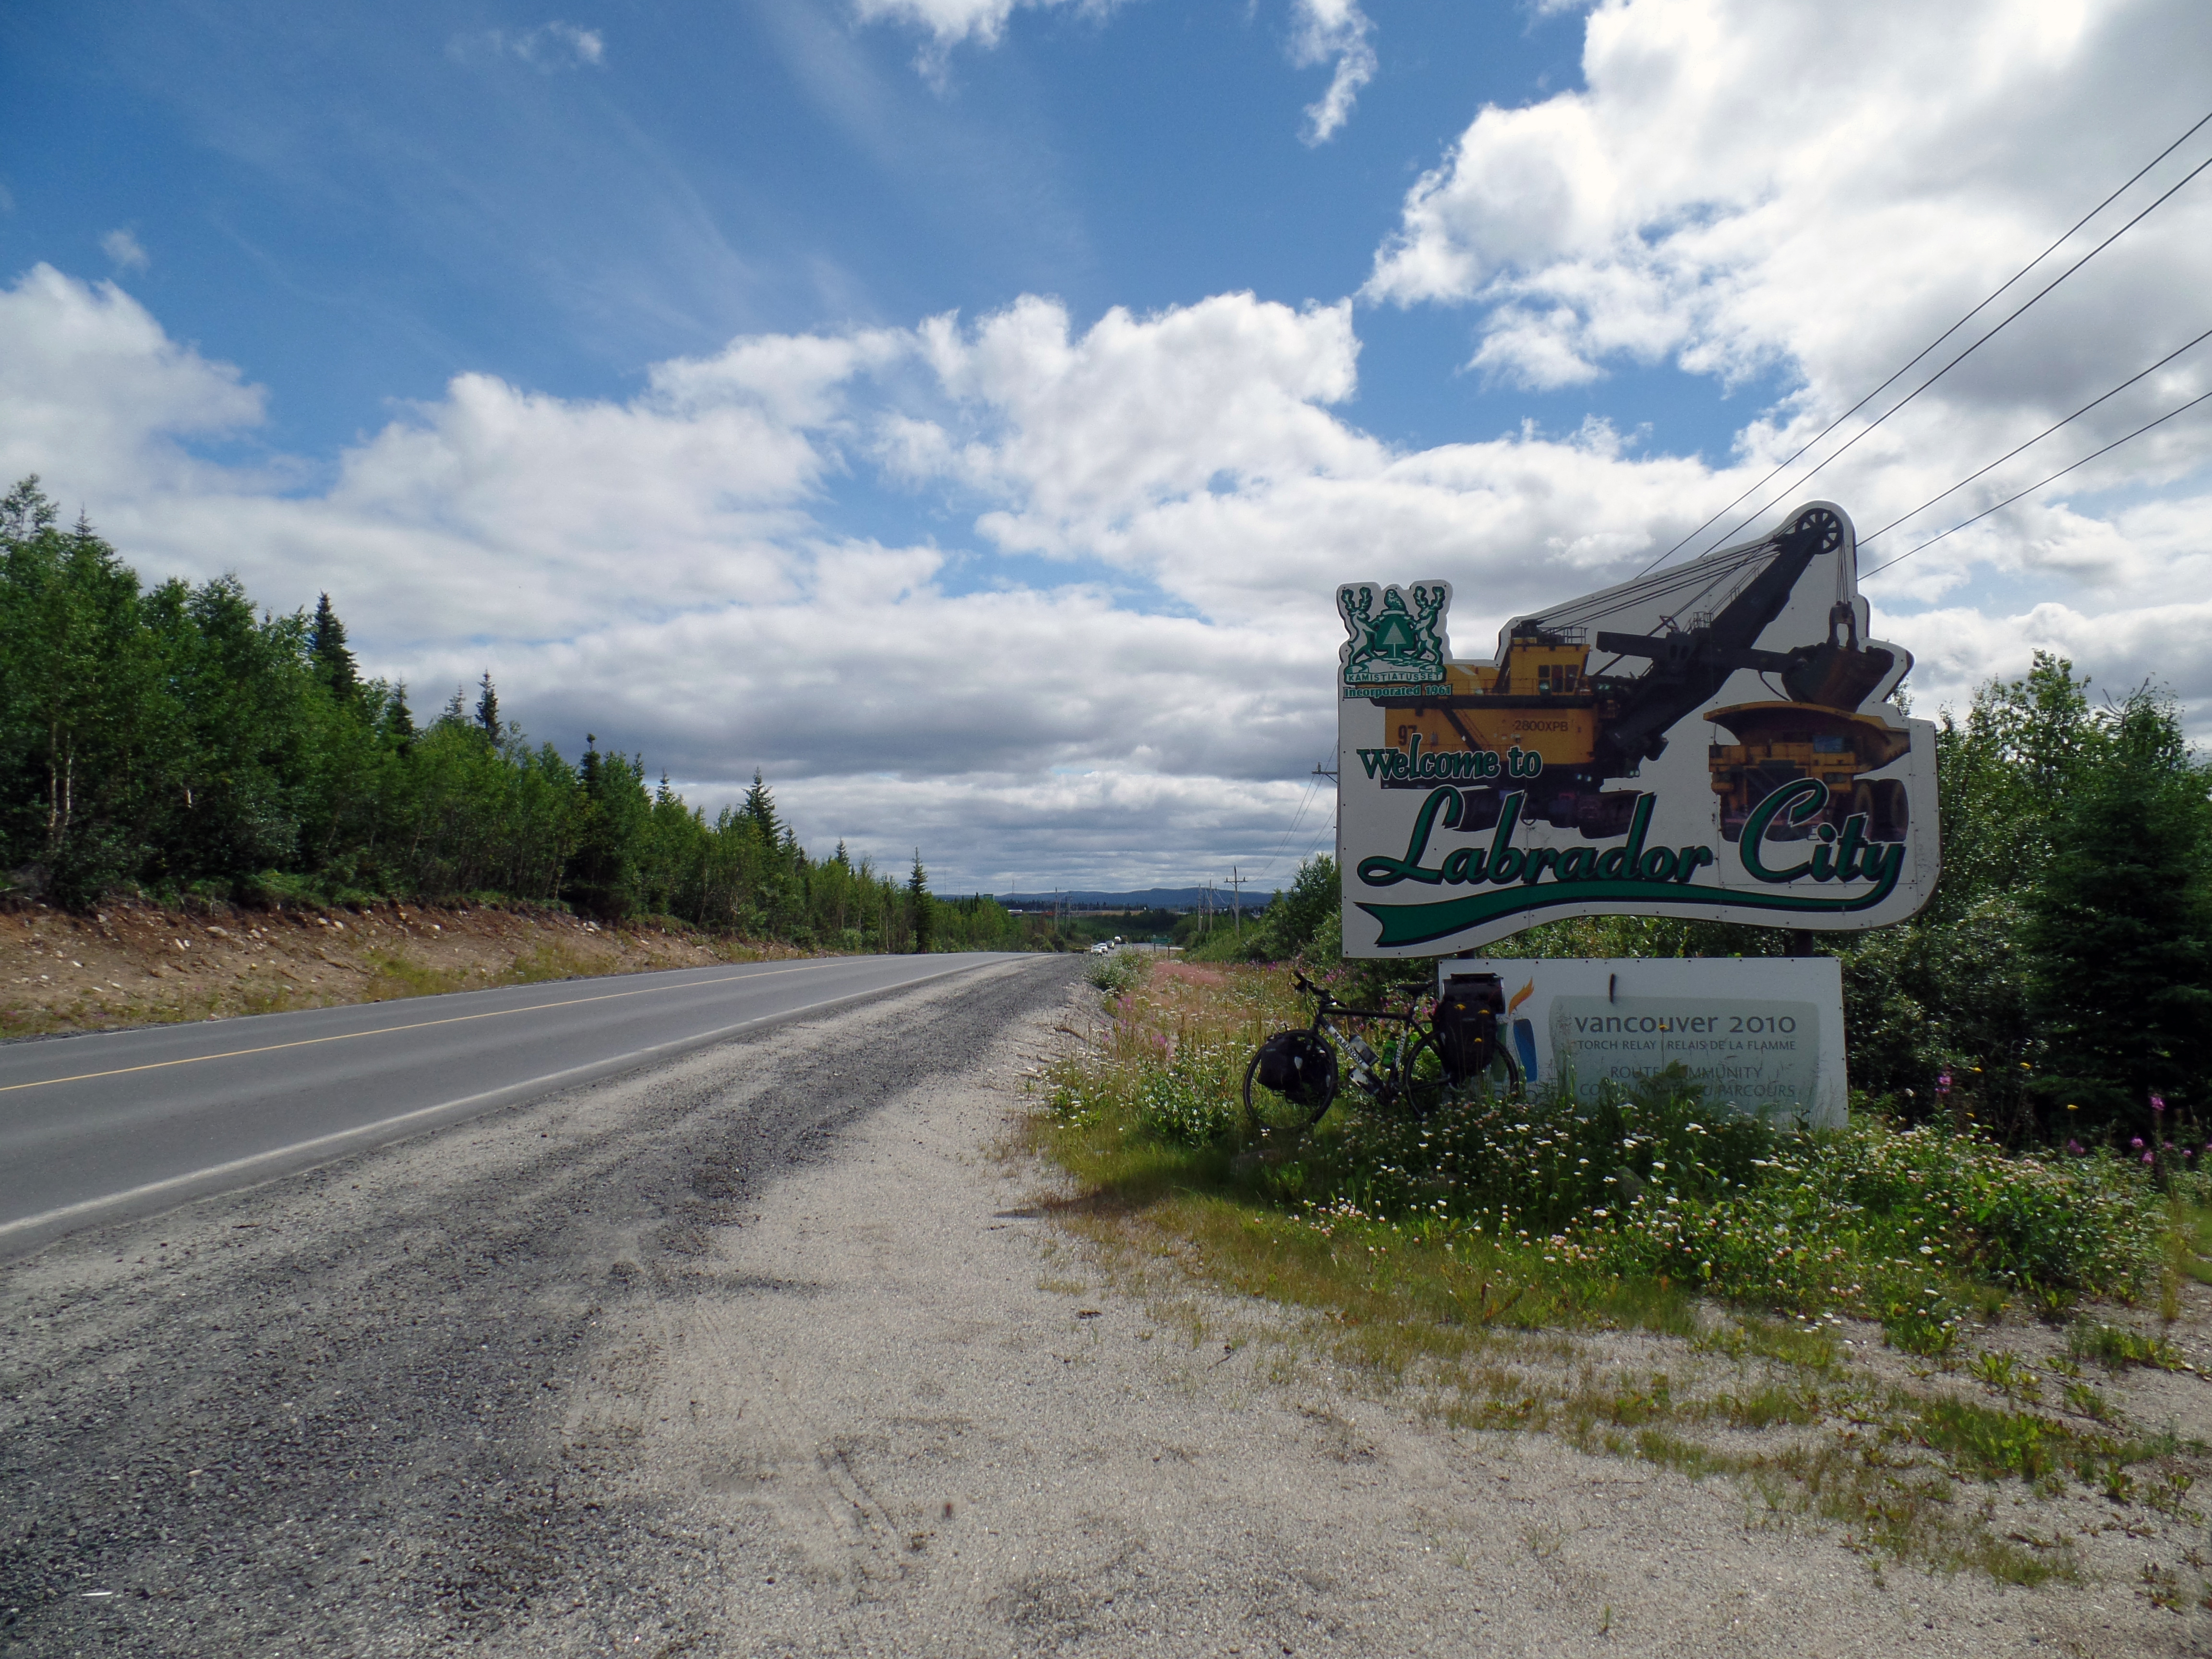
pixel 1457 1257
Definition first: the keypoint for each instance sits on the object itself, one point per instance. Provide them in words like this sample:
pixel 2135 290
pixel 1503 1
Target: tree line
pixel 177 742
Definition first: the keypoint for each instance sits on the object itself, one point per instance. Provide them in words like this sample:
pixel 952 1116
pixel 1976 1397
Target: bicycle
pixel 1295 1076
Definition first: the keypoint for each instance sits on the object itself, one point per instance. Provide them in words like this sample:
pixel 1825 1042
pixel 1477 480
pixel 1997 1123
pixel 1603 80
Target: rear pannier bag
pixel 1299 1066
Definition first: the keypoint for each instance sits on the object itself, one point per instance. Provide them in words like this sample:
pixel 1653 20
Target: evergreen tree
pixel 487 709
pixel 399 719
pixel 326 650
pixel 2119 930
pixel 759 811
pixel 918 905
pixel 610 833
pixel 83 713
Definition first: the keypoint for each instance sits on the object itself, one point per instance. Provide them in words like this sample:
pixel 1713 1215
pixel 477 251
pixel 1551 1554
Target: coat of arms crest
pixel 1399 650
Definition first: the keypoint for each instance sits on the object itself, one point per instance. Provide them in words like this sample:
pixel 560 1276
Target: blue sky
pixel 594 346
pixel 354 203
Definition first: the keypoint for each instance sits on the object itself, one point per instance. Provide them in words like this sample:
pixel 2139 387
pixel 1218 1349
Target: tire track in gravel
pixel 333 1413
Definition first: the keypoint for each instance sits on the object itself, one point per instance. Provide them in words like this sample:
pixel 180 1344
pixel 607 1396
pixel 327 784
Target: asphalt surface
pixel 100 1126
pixel 323 1414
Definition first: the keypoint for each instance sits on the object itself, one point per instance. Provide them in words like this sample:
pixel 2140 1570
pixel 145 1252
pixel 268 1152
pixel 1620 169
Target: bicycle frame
pixel 1367 1072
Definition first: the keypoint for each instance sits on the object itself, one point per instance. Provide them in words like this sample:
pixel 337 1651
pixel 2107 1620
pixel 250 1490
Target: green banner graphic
pixel 1419 924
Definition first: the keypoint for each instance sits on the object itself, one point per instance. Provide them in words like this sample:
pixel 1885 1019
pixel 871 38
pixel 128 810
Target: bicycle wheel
pixel 1503 1079
pixel 1421 1082
pixel 1300 1084
pixel 1424 1083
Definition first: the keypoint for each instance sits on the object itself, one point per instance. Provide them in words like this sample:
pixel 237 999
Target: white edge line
pixel 86 1206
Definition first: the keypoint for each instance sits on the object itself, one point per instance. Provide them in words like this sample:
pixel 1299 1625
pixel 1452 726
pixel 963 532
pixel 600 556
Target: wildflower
pixel 2149 1156
pixel 2074 1146
pixel 2136 1142
pixel 2158 1103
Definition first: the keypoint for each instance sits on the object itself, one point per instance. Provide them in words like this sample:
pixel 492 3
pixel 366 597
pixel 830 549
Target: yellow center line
pixel 391 1030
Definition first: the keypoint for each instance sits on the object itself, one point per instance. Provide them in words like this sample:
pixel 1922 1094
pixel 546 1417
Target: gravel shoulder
pixel 776 1351
pixel 135 963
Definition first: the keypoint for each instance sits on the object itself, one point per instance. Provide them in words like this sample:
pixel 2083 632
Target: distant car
pixel 1102 948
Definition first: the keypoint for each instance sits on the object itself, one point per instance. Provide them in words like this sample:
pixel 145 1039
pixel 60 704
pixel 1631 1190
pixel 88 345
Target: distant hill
pixel 1151 898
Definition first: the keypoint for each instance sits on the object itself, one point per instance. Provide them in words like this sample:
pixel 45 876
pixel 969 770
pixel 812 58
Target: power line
pixel 1327 831
pixel 2039 436
pixel 1305 801
pixel 2039 484
pixel 1969 351
pixel 1792 459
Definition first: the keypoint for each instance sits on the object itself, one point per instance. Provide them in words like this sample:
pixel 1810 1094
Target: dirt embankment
pixel 139 964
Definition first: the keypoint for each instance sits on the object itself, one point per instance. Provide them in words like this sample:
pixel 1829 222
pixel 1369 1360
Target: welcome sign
pixel 1713 740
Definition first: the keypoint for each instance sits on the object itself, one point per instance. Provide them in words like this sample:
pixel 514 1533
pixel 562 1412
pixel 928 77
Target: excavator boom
pixel 1690 667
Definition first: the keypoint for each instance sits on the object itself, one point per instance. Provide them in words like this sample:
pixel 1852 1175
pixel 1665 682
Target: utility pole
pixel 1236 882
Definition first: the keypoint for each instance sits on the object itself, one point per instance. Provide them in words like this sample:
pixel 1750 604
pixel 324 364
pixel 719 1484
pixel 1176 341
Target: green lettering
pixel 1506 859
pixel 1853 844
pixel 1620 861
pixel 1688 861
pixel 1792 803
pixel 1824 855
pixel 1882 865
pixel 1379 871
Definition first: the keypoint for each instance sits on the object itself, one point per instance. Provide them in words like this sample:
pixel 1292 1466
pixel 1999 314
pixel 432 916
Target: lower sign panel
pixel 1761 1036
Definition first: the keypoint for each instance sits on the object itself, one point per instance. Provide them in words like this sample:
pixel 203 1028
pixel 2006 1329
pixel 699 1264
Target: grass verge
pixel 1490 1264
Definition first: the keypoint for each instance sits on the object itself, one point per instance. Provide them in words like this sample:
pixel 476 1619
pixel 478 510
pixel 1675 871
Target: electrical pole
pixel 1236 882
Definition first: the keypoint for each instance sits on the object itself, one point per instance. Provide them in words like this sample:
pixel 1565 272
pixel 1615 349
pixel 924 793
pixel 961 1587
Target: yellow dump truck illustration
pixel 1778 743
pixel 1554 721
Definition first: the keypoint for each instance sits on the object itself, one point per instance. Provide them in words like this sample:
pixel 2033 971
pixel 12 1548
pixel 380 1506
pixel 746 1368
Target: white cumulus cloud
pixel 662 569
pixel 1811 195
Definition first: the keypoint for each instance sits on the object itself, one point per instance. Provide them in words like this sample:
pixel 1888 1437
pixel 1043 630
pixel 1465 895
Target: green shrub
pixel 1119 973
pixel 1196 1099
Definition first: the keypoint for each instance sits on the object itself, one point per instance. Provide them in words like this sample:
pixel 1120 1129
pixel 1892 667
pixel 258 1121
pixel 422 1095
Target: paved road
pixel 388 1406
pixel 100 1128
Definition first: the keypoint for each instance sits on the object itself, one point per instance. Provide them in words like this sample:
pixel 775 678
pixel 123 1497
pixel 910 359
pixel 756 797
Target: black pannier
pixel 1299 1066
pixel 1467 1023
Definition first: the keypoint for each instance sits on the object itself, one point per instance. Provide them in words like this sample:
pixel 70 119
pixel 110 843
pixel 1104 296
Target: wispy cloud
pixel 1333 31
pixel 549 46
pixel 949 22
pixel 121 247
